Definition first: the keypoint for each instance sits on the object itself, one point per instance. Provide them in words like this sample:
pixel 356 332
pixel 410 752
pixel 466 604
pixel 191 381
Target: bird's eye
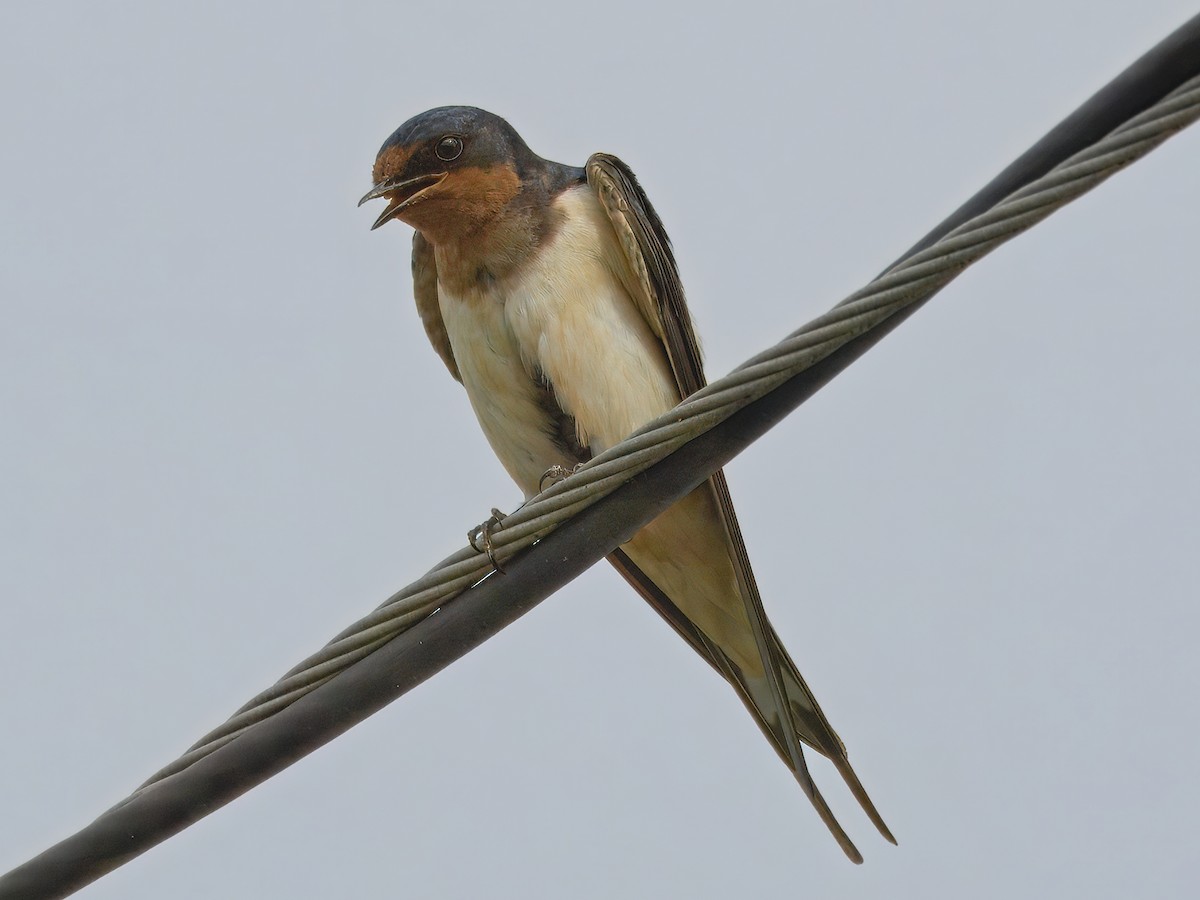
pixel 448 148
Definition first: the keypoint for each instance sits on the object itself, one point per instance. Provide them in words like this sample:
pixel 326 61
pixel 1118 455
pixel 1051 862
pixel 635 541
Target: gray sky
pixel 225 437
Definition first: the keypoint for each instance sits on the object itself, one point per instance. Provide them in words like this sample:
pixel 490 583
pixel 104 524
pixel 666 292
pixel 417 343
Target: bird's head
pixel 448 171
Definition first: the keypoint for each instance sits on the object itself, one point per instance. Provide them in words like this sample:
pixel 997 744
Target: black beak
pixel 400 192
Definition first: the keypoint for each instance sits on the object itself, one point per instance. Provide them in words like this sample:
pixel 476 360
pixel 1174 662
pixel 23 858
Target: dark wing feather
pixel 658 291
pixel 425 292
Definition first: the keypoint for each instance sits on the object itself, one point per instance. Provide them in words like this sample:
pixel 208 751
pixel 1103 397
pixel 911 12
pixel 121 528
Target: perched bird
pixel 551 292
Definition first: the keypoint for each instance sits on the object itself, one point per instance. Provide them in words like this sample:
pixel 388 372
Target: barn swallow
pixel 552 294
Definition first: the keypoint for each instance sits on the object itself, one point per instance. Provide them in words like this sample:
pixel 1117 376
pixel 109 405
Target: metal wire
pixel 908 282
pixel 368 664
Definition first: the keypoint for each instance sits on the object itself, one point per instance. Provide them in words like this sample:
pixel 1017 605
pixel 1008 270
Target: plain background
pixel 224 437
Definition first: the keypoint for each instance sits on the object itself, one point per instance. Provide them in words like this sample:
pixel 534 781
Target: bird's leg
pixel 557 473
pixel 485 531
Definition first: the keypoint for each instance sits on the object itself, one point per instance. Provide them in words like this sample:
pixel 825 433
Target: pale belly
pixel 569 320
pixel 565 321
pixel 509 404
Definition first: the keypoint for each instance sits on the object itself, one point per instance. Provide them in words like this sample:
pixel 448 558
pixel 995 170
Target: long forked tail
pixel 799 715
pixel 808 721
pixel 813 729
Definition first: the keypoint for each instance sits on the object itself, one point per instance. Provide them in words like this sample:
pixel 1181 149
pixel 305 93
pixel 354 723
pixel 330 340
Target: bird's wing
pixel 425 292
pixel 658 291
pixel 788 710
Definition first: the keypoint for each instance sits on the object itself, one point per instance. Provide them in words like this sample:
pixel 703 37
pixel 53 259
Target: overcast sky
pixel 224 437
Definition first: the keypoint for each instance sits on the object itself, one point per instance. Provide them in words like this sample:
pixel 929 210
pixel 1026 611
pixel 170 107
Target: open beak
pixel 399 194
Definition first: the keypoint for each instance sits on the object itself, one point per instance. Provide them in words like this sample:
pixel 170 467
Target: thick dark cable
pixel 1173 61
pixel 269 746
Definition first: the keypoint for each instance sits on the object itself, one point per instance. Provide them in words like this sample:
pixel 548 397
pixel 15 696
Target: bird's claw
pixel 485 531
pixel 557 473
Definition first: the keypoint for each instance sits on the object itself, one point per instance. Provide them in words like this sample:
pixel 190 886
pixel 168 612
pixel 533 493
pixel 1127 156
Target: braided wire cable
pixel 909 282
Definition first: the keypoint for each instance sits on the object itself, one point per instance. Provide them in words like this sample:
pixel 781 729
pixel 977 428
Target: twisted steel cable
pixel 909 282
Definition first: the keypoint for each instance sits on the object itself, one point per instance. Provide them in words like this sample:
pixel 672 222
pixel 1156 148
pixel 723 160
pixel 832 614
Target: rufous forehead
pixel 391 162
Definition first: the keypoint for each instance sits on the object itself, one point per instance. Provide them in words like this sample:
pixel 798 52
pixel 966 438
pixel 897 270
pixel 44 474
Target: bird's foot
pixel 485 532
pixel 557 473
